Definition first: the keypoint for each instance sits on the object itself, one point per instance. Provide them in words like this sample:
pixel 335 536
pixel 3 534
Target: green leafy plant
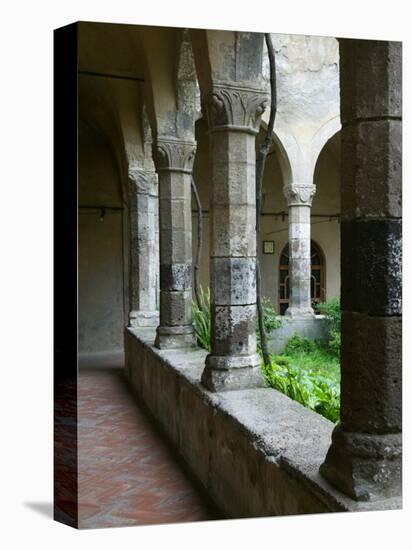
pixel 335 342
pixel 201 319
pixel 299 344
pixel 300 373
pixel 311 389
pixel 327 393
pixel 332 311
pixel 271 321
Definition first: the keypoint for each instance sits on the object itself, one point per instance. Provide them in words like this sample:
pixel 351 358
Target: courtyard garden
pixel 306 371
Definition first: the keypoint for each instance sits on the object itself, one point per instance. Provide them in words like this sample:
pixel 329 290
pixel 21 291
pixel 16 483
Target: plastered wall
pixel 100 275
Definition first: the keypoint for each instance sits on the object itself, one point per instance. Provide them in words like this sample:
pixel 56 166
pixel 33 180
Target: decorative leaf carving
pixel 172 154
pixel 299 194
pixel 235 105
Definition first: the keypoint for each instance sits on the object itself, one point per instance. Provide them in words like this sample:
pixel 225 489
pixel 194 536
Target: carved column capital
pixel 174 155
pixel 235 106
pixel 143 182
pixel 299 194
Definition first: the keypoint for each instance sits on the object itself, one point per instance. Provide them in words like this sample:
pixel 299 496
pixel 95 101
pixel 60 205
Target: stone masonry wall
pixel 256 452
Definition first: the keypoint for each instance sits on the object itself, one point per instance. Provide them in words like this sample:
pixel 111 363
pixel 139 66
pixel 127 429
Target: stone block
pixel 366 467
pixel 175 308
pixel 175 246
pixel 174 186
pixel 371 386
pixel 175 214
pixel 249 50
pixel 299 214
pixel 300 249
pixel 233 281
pixel 229 148
pixel 371 266
pixel 232 373
pixel 143 182
pixel 372 170
pixel 299 269
pixel 143 318
pixel 233 231
pixel 168 337
pixel 233 330
pixel 229 380
pixel 299 230
pixel 234 184
pixel 371 79
pixel 176 276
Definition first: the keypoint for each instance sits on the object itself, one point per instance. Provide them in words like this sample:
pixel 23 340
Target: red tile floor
pixel 127 473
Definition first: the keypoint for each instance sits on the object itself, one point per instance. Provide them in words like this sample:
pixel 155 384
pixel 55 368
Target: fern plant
pixel 201 319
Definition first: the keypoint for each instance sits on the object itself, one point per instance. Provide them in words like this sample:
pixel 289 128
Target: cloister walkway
pixel 127 473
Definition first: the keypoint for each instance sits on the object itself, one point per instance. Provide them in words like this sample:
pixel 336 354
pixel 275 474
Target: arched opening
pixel 325 214
pixel 274 215
pixel 317 282
pixel 101 256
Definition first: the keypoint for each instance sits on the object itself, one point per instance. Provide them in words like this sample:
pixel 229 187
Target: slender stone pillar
pixel 233 112
pixel 144 254
pixel 364 460
pixel 299 197
pixel 174 161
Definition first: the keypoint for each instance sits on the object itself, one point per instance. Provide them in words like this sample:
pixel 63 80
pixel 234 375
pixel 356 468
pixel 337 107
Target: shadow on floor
pixel 45 509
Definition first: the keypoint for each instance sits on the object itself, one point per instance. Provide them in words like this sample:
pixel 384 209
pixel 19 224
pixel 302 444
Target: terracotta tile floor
pixel 127 473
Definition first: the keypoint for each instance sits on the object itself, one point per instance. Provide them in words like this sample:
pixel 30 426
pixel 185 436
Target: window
pixel 317 283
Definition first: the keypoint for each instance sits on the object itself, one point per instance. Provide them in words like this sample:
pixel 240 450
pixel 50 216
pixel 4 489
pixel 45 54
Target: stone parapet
pixel 254 451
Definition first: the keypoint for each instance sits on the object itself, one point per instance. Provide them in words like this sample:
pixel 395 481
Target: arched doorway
pixel 317 284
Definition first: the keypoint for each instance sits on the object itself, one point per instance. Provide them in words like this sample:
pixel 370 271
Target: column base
pixel 224 373
pixel 174 337
pixel 141 318
pixel 300 313
pixel 364 466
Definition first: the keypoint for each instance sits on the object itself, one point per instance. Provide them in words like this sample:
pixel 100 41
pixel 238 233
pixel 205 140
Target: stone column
pixel 364 460
pixel 233 112
pixel 299 197
pixel 144 254
pixel 174 161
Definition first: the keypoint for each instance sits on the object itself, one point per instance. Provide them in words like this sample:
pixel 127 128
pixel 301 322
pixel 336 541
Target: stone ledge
pixel 256 452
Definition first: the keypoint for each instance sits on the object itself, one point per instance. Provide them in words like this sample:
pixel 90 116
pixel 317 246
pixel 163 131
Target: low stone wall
pixel 256 452
pixel 315 328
